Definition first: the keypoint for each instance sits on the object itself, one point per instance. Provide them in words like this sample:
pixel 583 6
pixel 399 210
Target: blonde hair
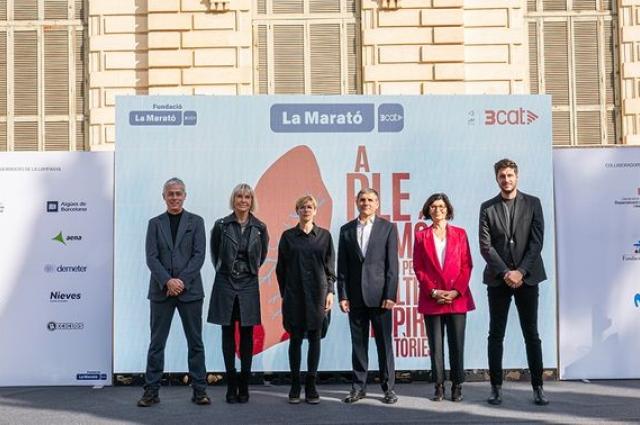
pixel 244 188
pixel 304 199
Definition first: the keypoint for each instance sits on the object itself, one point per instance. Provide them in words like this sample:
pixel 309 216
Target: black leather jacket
pixel 224 245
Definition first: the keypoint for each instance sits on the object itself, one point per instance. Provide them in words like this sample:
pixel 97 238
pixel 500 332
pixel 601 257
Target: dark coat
pixel 224 249
pixel 524 244
pixel 306 275
pixel 182 260
pixel 367 281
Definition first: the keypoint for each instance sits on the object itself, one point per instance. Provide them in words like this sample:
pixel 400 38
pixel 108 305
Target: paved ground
pixel 598 402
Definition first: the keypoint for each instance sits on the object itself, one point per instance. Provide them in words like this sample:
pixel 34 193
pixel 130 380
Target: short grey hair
pixel 173 181
pixel 244 188
pixel 367 190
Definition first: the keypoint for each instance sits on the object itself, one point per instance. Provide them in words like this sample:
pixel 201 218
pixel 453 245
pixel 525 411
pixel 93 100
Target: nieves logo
pixel 518 116
pixel 62 297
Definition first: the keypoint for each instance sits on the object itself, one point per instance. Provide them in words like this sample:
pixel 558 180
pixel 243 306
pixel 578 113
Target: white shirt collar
pixel 369 220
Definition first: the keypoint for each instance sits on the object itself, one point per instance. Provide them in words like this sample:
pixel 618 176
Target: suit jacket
pixel 182 260
pixel 523 243
pixel 454 274
pixel 367 281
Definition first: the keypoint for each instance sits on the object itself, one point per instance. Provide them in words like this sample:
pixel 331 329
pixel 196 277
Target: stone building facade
pixel 82 54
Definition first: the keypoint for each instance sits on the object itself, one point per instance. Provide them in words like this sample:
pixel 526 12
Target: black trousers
pixel 526 299
pixel 295 351
pixel 161 317
pixel 229 343
pixel 360 320
pixel 454 325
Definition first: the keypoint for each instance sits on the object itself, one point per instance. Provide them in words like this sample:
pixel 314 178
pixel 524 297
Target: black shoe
pixel 496 395
pixel 200 398
pixel 294 392
pixel 311 395
pixel 354 396
pixel 243 387
pixel 438 394
pixel 456 392
pixel 149 398
pixel 538 397
pixel 390 397
pixel 232 387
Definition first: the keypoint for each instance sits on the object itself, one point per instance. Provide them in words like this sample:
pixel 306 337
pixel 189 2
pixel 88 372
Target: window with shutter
pixel 25 10
pixel 307 47
pixel 56 9
pixel 42 66
pixel 572 58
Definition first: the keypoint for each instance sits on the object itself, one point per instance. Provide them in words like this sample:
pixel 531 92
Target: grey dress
pixel 237 256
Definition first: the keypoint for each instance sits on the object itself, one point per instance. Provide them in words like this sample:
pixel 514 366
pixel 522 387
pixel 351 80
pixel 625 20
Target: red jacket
pixel 454 275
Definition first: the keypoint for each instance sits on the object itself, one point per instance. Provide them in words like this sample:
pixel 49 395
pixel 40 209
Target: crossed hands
pixel 513 279
pixel 175 287
pixel 446 297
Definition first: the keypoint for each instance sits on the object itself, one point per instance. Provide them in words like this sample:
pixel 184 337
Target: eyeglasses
pixel 438 207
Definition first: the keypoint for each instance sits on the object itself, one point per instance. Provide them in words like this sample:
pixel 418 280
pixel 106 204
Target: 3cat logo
pixel 518 116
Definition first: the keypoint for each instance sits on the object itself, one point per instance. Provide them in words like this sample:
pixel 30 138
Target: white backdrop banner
pixel 597 199
pixel 56 222
pixel 407 147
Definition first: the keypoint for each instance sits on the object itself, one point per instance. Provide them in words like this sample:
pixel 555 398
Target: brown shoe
pixel 200 398
pixel 149 398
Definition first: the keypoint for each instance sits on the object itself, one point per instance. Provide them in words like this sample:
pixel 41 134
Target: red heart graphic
pixel 294 174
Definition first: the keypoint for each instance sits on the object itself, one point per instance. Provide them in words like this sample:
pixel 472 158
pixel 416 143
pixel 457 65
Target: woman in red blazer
pixel 442 263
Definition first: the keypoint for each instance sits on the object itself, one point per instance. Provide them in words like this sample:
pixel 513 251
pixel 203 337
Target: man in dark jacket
pixel 175 249
pixel 511 236
pixel 367 286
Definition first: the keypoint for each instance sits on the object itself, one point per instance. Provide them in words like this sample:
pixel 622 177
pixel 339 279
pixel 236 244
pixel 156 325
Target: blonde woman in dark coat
pixel 239 244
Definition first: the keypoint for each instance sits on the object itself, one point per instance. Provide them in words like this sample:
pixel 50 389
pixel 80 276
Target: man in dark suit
pixel 367 286
pixel 175 249
pixel 511 236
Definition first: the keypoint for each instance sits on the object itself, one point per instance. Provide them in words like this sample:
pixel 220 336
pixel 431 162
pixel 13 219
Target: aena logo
pixel 64 239
pixel 518 116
